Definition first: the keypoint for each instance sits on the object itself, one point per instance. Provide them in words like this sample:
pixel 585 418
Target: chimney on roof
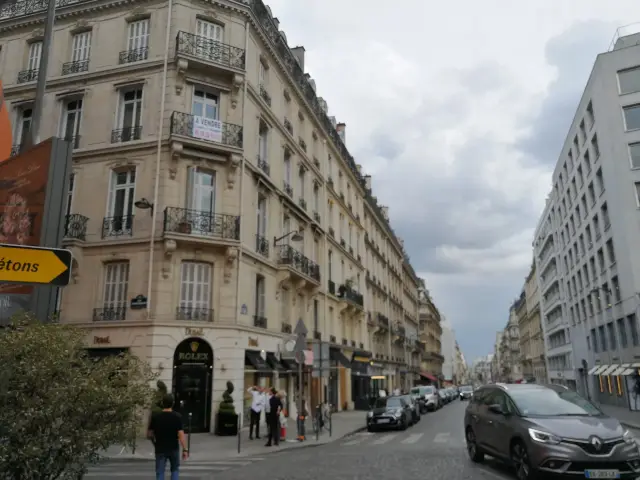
pixel 341 128
pixel 367 182
pixel 359 168
pixel 298 52
pixel 385 212
pixel 277 22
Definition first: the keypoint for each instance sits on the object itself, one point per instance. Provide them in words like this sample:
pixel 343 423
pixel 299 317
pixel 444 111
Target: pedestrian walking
pixel 275 407
pixel 257 405
pixel 166 431
pixel 267 408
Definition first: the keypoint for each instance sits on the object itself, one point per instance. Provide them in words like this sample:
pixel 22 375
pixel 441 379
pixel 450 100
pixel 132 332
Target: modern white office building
pixel 592 220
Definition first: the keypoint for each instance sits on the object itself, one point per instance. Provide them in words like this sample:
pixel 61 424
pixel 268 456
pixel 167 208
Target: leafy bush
pixel 58 408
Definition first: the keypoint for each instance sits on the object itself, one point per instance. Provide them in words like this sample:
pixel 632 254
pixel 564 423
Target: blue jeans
pixel 174 463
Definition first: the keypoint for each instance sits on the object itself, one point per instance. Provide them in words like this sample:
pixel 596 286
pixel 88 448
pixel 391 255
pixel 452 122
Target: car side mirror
pixel 497 409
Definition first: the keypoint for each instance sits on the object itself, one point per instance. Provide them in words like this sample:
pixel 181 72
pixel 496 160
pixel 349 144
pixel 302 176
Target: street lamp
pixel 295 235
pixel 144 204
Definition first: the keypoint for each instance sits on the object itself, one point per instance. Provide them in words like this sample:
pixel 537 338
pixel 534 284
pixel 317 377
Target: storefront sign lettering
pixel 194 332
pixel 194 357
pixel 101 340
pixel 253 342
pixel 361 359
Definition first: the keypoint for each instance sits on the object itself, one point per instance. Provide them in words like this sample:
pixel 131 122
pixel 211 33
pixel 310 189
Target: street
pixel 434 449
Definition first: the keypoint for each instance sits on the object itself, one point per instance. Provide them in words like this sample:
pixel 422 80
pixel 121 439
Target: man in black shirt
pixel 273 418
pixel 167 434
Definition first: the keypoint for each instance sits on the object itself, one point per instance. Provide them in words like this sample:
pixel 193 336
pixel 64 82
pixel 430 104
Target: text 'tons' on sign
pixel 48 266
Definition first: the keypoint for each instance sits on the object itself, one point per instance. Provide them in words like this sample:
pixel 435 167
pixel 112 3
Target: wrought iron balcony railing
pixel 110 313
pixel 75 226
pixel 303 203
pixel 227 133
pixel 383 320
pixel 262 245
pixel 259 321
pixel 127 134
pixel 264 94
pixel 195 314
pixel 196 222
pixel 298 261
pixel 77 66
pixel 332 287
pixel 119 226
pixel 316 217
pixel 288 189
pixel 134 55
pixel 210 50
pixel 351 295
pixel 264 165
pixel 28 75
pixel 286 327
pixel 288 126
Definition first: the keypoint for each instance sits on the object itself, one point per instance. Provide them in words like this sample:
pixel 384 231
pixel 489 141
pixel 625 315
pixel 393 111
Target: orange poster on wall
pixel 5 128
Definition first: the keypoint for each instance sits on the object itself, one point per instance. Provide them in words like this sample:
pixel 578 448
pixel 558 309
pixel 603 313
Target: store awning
pixel 631 369
pixel 253 359
pixel 610 369
pixel 620 370
pixel 274 363
pixel 593 370
pixel 600 369
pixel 428 376
pixel 337 356
pixel 361 356
pixel 289 364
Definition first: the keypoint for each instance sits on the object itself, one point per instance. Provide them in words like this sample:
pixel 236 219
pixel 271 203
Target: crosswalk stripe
pixel 442 437
pixel 384 439
pixel 355 441
pixel 413 438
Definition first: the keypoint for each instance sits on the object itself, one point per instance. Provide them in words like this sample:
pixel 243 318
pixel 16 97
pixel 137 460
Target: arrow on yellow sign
pixel 50 266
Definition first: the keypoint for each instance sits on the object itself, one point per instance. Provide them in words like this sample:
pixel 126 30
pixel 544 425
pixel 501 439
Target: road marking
pixel 139 474
pixel 354 442
pixel 383 440
pixel 492 474
pixel 413 438
pixel 442 437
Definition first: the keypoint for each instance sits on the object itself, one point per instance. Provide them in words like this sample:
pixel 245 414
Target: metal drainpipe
pixel 242 167
pixel 150 306
pixel 326 262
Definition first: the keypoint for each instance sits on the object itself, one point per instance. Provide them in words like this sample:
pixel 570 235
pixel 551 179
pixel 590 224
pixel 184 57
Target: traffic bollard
pixel 189 434
pixel 318 424
pixel 330 421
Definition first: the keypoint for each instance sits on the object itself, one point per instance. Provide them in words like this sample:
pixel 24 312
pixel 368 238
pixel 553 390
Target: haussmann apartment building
pixel 213 202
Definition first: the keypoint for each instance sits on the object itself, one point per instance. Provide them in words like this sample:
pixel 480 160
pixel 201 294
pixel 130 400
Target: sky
pixel 459 111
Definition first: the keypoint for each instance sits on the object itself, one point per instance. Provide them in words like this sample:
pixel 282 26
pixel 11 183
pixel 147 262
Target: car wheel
pixel 403 423
pixel 370 429
pixel 475 454
pixel 521 463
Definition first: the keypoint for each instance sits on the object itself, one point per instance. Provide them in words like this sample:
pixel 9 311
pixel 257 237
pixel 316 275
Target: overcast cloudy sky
pixel 458 110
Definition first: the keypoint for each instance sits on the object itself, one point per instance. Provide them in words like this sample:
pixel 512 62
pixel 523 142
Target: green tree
pixel 58 408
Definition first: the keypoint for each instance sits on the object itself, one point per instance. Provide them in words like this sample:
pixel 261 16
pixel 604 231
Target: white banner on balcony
pixel 207 129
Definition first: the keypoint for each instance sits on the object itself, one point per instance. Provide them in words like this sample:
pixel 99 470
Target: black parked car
pixel 389 413
pixel 414 407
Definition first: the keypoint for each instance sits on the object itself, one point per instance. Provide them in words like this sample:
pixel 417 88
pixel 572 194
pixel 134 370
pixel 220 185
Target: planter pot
pixel 226 424
pixel 184 228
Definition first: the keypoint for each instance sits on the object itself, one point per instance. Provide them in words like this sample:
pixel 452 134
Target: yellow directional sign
pixel 20 264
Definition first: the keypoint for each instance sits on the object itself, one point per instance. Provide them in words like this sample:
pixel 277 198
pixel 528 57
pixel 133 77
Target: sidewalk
pixel 208 447
pixel 625 416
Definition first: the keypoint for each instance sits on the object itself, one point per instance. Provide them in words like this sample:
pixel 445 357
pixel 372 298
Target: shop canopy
pixel 274 363
pixel 337 356
pixel 253 358
pixel 428 376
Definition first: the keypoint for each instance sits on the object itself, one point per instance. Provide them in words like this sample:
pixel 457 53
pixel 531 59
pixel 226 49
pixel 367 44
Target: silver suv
pixel 548 430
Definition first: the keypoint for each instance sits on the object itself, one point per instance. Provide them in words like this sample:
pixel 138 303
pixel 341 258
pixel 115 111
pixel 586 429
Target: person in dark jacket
pixel 273 418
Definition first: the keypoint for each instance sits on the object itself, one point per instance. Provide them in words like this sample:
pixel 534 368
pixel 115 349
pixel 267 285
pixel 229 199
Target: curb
pixel 140 458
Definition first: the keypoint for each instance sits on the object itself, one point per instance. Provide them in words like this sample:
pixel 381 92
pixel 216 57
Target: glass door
pixel 203 202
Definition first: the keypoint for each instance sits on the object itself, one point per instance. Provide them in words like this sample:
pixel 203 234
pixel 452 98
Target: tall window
pixel 121 198
pixel 263 142
pixel 204 104
pixel 116 286
pixel 209 30
pixel 195 290
pixel 201 190
pixel 70 194
pixel 129 124
pixel 262 74
pixel 35 52
pixel 286 228
pixel 285 305
pixel 632 117
pixel 23 125
pixel 138 39
pixel 71 118
pixel 301 181
pixel 260 296
pixel 316 199
pixel 330 264
pixel 287 169
pixel 81 47
pixel 261 214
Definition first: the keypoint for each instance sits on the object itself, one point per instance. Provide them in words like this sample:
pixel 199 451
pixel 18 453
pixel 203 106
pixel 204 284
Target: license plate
pixel 386 420
pixel 602 474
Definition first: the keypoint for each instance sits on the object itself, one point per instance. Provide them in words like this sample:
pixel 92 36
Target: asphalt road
pixel 434 449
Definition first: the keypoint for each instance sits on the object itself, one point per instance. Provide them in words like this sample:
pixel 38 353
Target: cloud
pixel 459 120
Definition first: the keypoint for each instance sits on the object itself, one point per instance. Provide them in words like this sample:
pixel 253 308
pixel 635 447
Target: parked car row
pixel 431 398
pixel 397 412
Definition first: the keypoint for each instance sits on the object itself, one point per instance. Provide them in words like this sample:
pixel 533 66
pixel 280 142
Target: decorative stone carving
pixel 37 33
pixel 236 85
pixel 176 152
pixel 169 247
pixel 232 169
pixel 299 286
pixel 230 256
pixel 80 25
pixel 282 277
pixel 181 70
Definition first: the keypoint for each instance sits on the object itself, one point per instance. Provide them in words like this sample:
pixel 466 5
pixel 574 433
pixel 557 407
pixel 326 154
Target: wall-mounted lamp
pixel 144 204
pixel 295 235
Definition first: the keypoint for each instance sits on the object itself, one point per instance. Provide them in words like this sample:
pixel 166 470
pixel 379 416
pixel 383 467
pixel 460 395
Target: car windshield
pixel 466 388
pixel 427 390
pixel 549 403
pixel 388 402
pixel 408 399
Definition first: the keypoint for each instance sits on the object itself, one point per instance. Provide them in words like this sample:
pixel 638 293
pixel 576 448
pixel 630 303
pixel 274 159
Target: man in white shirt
pixel 257 404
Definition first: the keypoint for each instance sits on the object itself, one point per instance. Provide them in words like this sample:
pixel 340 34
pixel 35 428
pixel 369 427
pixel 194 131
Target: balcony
pixel 194 314
pixel 135 55
pixel 298 264
pixel 399 332
pixel 302 203
pixel 286 328
pixel 110 313
pixel 209 54
pixel 262 246
pixel 75 227
pixel 187 222
pixel 332 287
pixel 118 226
pixel 316 217
pixel 127 134
pixel 191 134
pixel 264 94
pixel 78 66
pixel 288 126
pixel 264 166
pixel 259 322
pixel 382 322
pixel 288 189
pixel 351 296
pixel 26 76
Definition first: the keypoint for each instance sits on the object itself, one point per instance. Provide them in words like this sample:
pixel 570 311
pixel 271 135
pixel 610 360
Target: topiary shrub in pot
pixel 227 418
